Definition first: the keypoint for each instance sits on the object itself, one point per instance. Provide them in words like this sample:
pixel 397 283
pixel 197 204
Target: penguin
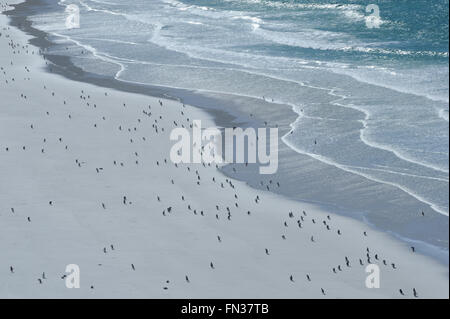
pixel 291 278
pixel 416 295
pixel 187 279
pixel 132 267
pixel 267 252
pixel 307 277
pixel 401 292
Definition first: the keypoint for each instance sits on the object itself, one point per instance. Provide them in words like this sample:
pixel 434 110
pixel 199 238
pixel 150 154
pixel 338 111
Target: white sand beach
pixel 86 179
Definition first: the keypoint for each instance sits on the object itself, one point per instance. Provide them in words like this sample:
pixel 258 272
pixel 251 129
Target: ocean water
pixel 375 99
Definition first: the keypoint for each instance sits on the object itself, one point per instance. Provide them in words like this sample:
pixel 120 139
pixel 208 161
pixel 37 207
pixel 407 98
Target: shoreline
pixel 227 113
pixel 176 252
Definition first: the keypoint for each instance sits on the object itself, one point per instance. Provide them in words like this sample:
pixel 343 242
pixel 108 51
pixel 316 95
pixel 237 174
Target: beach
pixel 86 179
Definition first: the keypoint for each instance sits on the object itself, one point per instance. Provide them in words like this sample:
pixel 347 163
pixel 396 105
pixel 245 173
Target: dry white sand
pixel 55 134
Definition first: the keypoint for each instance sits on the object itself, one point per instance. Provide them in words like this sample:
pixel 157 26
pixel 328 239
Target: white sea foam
pixel 435 207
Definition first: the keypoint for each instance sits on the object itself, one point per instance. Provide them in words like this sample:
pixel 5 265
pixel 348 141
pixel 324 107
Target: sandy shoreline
pixel 176 254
